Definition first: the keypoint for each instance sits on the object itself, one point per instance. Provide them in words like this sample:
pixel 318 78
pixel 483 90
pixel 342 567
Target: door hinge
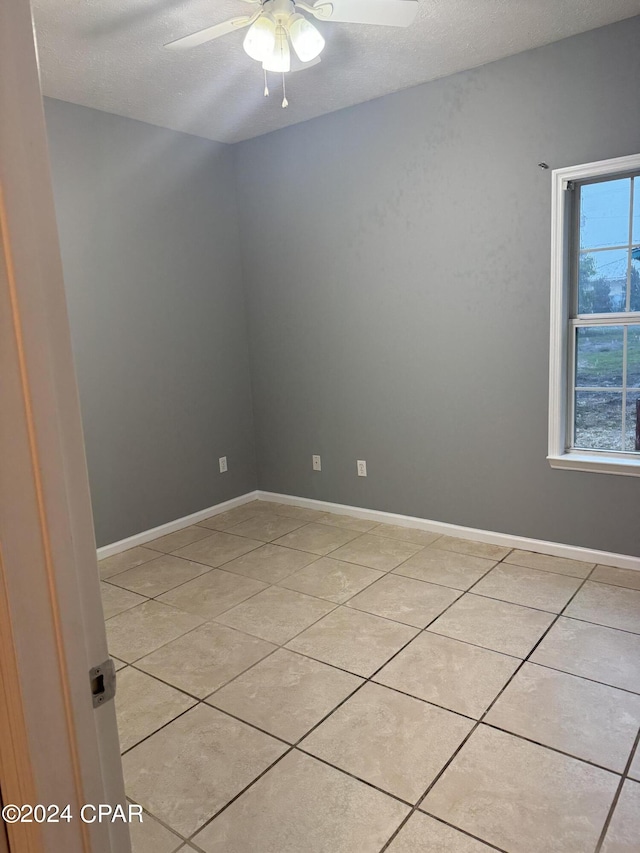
pixel 103 682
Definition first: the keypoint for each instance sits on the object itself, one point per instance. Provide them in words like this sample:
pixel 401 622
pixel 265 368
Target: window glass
pixel 602 353
pixel 635 275
pixel 632 431
pixel 602 281
pixel 633 357
pixel 599 356
pixel 598 423
pixel 604 214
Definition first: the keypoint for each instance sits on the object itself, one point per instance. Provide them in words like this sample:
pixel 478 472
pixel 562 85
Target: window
pixel 594 409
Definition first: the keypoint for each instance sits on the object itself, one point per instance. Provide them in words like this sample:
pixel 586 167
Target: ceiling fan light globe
pixel 305 38
pixel 260 39
pixel 279 60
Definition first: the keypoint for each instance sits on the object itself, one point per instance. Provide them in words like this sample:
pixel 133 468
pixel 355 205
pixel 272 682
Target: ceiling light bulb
pixel 305 38
pixel 260 39
pixel 280 58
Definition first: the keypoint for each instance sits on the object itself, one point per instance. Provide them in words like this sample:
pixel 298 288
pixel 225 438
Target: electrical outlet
pixel 316 463
pixel 362 468
pixel 223 464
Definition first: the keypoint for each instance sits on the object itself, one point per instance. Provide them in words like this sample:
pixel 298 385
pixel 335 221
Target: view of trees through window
pixel 606 348
pixel 602 295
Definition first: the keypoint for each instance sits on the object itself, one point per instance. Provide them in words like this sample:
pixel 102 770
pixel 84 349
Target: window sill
pixel 596 464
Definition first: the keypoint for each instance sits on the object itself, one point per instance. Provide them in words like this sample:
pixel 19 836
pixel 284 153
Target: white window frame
pixel 560 358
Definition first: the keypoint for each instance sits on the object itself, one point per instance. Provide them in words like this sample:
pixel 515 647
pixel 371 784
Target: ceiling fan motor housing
pixel 280 10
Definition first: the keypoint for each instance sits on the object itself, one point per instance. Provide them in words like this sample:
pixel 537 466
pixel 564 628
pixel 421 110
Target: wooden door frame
pixel 54 747
pixel 4 840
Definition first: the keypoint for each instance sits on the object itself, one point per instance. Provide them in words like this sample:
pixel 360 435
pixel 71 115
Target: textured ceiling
pixel 109 55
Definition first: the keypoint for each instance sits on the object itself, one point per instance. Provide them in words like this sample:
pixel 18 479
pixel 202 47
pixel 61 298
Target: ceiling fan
pixel 277 23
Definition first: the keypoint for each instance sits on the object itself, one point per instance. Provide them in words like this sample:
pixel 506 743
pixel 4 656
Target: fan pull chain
pixel 285 102
pixel 266 85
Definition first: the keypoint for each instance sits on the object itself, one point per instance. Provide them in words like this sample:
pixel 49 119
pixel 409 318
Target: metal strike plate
pixel 103 682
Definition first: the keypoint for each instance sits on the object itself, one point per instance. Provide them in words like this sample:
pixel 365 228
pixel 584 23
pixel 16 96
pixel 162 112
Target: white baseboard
pixel 554 549
pixel 172 526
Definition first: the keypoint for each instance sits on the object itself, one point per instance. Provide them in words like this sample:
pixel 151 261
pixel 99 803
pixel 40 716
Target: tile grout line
pixel 602 625
pixel 231 529
pixel 430 546
pixel 180 636
pixel 369 679
pixel 205 699
pixel 206 620
pixel 616 796
pixel 345 603
pixel 348 773
pixel 253 636
pixel 418 698
pixel 181 838
pixel 198 701
pixel 239 794
pixel 585 677
pixel 277 647
pixel 307 733
pixel 156 597
pixel 366 680
pixel 296 746
pixel 317 519
pixel 220 566
pixel 552 748
pixel 278 583
pixel 389 572
pixel 159 729
pixel 215 690
pixel 514 603
pixel 466 832
pixel 475 728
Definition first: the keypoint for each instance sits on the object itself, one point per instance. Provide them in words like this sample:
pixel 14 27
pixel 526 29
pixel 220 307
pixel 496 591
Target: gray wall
pixel 396 259
pixel 150 246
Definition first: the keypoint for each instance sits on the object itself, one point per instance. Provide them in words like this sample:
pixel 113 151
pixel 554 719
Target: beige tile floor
pixel 291 681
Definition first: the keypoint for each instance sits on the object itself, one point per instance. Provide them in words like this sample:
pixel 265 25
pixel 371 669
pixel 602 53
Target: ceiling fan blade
pixel 210 33
pixel 390 13
pixel 296 65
